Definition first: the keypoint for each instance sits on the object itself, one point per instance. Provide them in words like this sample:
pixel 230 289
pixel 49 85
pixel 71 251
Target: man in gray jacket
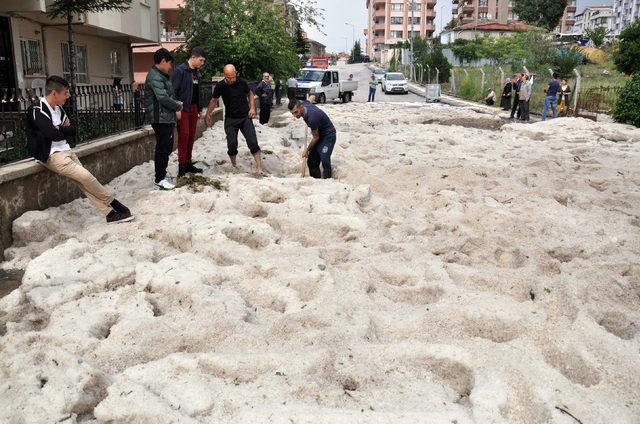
pixel 161 108
pixel 525 95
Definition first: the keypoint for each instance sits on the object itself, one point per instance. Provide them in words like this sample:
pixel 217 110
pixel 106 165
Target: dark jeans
pixel 265 113
pixel 245 126
pixel 164 147
pixel 321 153
pixel 516 105
pixel 372 95
pixel 524 110
pixel 291 93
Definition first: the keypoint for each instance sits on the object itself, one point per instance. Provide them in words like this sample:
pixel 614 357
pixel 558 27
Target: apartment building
pixel 624 13
pixel 393 21
pixel 594 17
pixel 473 11
pixel 568 19
pixel 33 46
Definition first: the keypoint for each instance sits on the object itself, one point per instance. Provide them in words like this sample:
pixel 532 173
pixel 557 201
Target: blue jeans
pixel 549 100
pixel 321 153
pixel 372 94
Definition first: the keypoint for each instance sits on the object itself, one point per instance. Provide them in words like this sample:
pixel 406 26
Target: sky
pixel 337 13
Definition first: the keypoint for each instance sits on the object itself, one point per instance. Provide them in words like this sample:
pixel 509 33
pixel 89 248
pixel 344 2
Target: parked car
pixel 395 82
pixel 324 85
pixel 379 74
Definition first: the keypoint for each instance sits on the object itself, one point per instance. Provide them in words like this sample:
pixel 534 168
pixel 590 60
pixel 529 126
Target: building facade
pixel 594 17
pixel 471 11
pixel 394 21
pixel 568 19
pixel 33 46
pixel 624 13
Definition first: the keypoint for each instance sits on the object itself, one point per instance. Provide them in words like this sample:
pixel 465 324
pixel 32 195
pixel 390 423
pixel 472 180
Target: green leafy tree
pixel 68 9
pixel 627 53
pixel 302 47
pixel 356 51
pixel 542 13
pixel 598 35
pixel 566 61
pixel 468 50
pixel 393 63
pixel 251 34
pixel 627 107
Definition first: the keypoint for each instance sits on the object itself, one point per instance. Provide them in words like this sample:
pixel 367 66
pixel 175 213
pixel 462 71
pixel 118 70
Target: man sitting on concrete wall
pixel 48 128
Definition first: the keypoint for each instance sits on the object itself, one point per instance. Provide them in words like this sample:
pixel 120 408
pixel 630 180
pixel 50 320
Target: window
pixel 483 15
pixel 397 7
pixel 82 76
pixel 484 3
pixel 396 34
pixel 116 63
pixel 416 6
pixel 416 20
pixel 32 63
pixel 396 20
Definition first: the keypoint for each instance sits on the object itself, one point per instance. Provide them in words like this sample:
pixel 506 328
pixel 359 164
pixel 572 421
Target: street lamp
pixel 413 10
pixel 346 44
pixel 441 15
pixel 353 37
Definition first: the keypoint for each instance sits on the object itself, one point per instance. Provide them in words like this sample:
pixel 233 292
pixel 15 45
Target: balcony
pixel 431 4
pixel 379 26
pixel 172 36
pixel 379 13
pixel 430 13
pixel 468 8
pixel 570 9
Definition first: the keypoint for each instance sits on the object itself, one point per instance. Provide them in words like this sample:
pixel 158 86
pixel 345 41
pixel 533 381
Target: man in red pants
pixel 186 86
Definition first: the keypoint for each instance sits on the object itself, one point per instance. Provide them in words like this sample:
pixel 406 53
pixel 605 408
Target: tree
pixel 302 47
pixel 251 34
pixel 468 50
pixel 542 13
pixel 598 35
pixel 67 9
pixel 627 55
pixel 356 51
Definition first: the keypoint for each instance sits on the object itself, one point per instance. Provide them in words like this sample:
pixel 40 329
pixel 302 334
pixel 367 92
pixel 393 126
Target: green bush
pixel 627 108
pixel 627 54
pixel 470 89
pixel 565 61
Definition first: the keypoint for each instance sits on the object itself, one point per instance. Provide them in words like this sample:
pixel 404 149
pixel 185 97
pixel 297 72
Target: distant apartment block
pixel 568 20
pixel 393 21
pixel 471 11
pixel 624 13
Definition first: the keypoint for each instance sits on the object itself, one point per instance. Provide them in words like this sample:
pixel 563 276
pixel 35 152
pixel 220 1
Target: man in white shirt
pixel 292 85
pixel 48 128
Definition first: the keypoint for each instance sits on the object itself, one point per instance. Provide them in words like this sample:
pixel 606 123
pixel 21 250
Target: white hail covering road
pixel 454 272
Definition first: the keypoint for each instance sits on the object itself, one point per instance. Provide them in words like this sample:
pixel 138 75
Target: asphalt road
pixel 362 74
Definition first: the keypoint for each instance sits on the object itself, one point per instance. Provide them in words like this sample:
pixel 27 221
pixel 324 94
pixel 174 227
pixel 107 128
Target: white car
pixel 395 82
pixel 379 74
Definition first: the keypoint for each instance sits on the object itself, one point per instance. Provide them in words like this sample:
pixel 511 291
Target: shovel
pixel 303 165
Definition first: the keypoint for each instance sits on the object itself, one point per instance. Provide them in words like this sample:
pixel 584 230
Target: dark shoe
pixel 182 170
pixel 117 217
pixel 119 207
pixel 193 169
pixel 315 172
pixel 326 173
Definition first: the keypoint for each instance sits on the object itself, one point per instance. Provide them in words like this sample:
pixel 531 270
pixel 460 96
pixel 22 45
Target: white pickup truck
pixel 324 85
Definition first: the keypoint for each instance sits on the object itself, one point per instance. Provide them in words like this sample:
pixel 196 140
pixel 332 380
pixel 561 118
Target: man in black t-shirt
pixel 239 111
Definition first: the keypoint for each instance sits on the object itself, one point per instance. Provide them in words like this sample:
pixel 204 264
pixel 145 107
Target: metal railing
pixel 100 111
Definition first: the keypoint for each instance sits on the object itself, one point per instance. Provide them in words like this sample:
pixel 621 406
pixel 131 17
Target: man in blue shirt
pixel 323 137
pixel 550 99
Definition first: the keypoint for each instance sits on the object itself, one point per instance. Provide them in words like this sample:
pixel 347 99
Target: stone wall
pixel 27 185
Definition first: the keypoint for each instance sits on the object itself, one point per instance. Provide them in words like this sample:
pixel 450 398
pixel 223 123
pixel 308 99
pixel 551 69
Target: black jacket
pixel 182 82
pixel 41 132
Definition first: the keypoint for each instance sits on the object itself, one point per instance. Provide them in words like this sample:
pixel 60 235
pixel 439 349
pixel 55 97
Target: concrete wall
pixel 27 185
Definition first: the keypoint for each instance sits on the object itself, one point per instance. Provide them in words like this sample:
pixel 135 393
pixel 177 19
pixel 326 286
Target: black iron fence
pixel 597 100
pixel 100 111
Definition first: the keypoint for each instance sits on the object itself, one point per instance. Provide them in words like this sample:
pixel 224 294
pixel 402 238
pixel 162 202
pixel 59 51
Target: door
pixel 334 90
pixel 7 65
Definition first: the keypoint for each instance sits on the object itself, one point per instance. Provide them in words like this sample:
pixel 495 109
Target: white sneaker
pixel 165 185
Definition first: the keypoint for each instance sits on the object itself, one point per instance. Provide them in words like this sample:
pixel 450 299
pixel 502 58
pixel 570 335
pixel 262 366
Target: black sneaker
pixel 115 217
pixel 119 207
pixel 193 169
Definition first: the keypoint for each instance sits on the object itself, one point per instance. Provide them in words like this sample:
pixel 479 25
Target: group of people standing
pixel 521 88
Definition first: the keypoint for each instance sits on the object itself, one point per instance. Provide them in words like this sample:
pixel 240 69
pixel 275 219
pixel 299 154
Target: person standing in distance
pixel 265 94
pixel 240 109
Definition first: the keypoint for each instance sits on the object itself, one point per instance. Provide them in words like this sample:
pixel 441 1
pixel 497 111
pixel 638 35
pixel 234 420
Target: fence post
pixel 550 72
pixel 501 75
pixel 525 69
pixel 413 72
pixel 437 76
pixel 576 91
pixel 482 80
pixel 429 75
pixel 466 74
pixel 453 81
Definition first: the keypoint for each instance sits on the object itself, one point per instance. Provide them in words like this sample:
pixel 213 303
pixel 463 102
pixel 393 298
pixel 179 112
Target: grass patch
pixel 195 182
pixel 267 152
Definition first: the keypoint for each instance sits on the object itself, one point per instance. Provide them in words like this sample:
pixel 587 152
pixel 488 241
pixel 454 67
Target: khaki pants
pixel 68 165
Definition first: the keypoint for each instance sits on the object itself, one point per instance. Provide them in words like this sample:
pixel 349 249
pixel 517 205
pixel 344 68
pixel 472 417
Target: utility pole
pixel 353 38
pixel 413 10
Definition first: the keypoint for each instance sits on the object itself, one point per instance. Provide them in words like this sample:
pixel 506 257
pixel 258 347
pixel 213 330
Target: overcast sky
pixel 339 12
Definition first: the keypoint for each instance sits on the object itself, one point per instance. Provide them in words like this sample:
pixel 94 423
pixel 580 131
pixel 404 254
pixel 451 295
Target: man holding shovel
pixel 323 137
